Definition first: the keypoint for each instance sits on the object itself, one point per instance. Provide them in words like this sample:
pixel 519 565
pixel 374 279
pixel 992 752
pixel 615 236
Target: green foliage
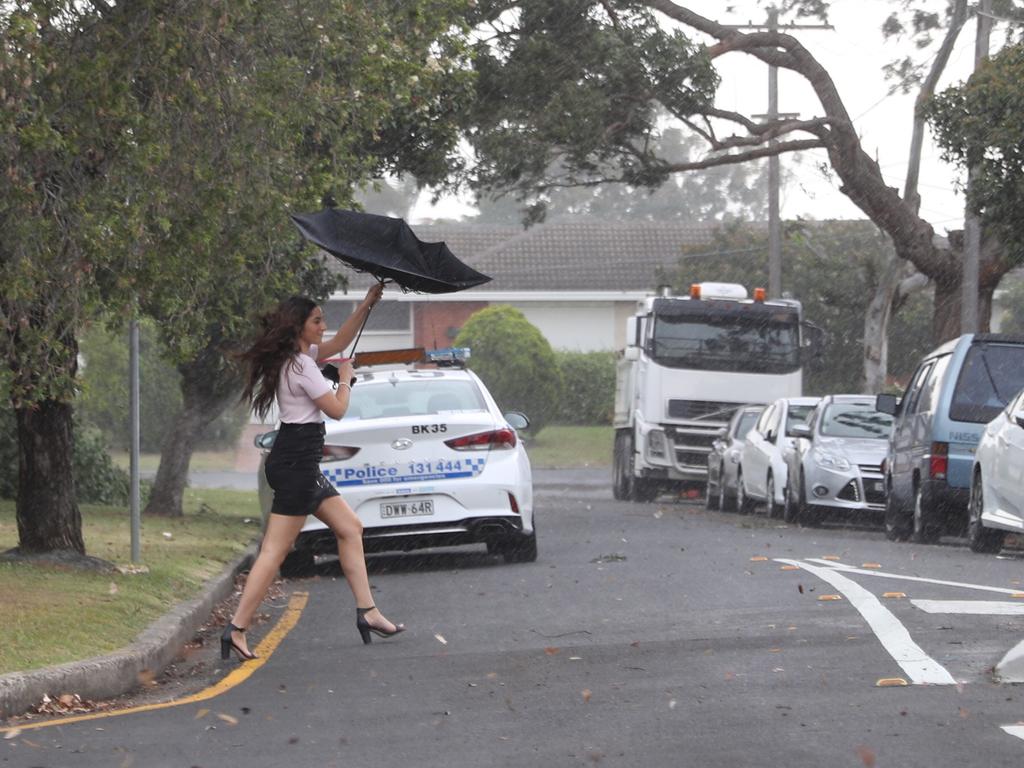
pixel 832 268
pixel 1013 301
pixel 978 126
pixel 588 387
pixel 570 95
pixel 97 479
pixel 515 361
pixel 103 401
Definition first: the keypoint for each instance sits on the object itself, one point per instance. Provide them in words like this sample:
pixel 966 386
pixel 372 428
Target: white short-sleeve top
pixel 299 385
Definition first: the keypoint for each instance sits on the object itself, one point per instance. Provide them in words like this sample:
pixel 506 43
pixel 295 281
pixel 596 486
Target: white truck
pixel 689 362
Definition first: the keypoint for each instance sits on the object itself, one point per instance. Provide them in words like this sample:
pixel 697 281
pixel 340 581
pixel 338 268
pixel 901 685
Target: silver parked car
pixel 837 461
pixel 996 505
pixel 724 459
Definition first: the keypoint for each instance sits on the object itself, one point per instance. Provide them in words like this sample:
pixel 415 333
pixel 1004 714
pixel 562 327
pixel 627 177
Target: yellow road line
pixel 238 676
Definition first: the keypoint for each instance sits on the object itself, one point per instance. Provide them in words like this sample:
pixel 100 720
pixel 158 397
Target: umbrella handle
pixel 352 352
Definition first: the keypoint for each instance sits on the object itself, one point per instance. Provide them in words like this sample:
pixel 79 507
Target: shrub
pixel 97 479
pixel 515 361
pixel 588 388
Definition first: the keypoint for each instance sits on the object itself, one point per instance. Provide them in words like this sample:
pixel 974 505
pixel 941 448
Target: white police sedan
pixel 425 458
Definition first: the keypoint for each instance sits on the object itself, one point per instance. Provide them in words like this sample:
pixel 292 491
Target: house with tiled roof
pixel 576 280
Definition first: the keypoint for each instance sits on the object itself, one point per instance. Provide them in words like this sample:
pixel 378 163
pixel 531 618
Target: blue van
pixel 955 391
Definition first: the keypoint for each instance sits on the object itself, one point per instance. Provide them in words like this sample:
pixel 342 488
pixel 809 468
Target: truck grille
pixel 701 409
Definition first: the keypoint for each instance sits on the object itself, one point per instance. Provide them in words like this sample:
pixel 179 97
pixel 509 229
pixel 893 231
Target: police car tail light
pixel 339 452
pixel 484 441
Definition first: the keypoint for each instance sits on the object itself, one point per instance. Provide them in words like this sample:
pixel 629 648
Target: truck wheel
pixel 928 523
pixel 620 468
pixel 899 524
pixel 979 538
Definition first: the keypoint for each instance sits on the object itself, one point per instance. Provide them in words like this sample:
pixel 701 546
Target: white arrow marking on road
pixel 919 666
pixel 970 607
pixel 1014 730
pixel 851 569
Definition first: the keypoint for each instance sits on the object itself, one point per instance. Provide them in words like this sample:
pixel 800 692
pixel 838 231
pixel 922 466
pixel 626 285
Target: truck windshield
pixel 738 344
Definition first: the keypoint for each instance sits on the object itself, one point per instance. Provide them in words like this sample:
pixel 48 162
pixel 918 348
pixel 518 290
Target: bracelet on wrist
pixel 345 384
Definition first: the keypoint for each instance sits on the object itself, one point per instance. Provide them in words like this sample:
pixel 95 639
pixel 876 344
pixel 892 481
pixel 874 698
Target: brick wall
pixel 435 324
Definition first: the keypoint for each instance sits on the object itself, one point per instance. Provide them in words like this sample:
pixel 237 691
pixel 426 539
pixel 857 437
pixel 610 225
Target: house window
pixel 386 317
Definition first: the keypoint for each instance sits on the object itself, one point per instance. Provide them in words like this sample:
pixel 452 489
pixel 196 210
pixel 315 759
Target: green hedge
pixel 588 392
pixel 515 361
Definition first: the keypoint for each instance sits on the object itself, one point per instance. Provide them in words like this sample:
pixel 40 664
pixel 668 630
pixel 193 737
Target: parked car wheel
pixel 899 524
pixel 981 539
pixel 807 514
pixel 928 524
pixel 712 495
pixel 744 504
pixel 522 549
pixel 789 506
pixel 726 502
pixel 774 510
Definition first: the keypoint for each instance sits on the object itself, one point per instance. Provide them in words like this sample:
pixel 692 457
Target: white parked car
pixel 996 504
pixel 762 470
pixel 425 458
pixel 837 461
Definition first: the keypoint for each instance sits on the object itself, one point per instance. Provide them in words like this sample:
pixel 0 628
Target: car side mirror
pixel 517 420
pixel 887 403
pixel 799 430
pixel 265 440
pixel 632 353
pixel 1018 417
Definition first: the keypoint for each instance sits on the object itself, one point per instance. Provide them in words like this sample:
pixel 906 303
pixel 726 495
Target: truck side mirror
pixel 887 403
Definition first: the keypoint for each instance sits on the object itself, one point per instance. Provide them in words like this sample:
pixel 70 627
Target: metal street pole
pixel 774 170
pixel 133 407
pixel 972 224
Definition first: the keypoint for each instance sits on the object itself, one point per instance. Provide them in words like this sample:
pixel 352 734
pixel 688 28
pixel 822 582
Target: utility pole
pixel 972 224
pixel 774 173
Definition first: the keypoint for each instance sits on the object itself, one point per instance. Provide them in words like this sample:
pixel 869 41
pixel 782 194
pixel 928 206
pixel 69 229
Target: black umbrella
pixel 387 248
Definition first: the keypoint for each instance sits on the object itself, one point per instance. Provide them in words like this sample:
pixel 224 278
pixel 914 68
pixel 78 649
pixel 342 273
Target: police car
pixel 425 458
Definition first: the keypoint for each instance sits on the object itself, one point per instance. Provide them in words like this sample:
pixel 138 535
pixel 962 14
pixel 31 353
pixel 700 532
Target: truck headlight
pixel 656 444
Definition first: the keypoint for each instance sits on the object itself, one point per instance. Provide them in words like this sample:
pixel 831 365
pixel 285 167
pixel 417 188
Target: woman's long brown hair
pixel 277 343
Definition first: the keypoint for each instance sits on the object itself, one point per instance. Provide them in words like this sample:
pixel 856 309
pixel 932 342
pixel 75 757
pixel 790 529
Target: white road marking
pixel 970 607
pixel 883 574
pixel 1014 730
pixel 919 666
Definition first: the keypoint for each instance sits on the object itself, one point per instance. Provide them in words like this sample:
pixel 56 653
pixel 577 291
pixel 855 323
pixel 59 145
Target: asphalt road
pixel 645 635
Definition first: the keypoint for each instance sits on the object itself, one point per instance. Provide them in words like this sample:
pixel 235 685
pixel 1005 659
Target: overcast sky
pixel 854 53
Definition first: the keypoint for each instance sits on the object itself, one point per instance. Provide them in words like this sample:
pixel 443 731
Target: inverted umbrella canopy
pixel 387 248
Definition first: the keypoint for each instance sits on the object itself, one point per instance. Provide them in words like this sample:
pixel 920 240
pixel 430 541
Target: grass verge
pixel 52 615
pixel 570 447
pixel 202 461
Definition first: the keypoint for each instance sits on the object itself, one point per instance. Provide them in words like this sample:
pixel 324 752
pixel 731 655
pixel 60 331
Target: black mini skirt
pixel 293 470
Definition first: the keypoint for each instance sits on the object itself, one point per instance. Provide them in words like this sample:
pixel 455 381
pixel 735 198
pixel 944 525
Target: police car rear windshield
pixel 738 344
pixel 420 397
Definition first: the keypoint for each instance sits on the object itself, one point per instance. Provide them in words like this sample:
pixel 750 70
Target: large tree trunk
pixel 48 515
pixel 894 286
pixel 208 387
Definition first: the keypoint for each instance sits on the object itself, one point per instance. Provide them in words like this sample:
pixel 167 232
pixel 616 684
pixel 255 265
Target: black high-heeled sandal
pixel 227 642
pixel 365 627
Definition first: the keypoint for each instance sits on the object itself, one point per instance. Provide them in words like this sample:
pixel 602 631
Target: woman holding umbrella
pixel 282 366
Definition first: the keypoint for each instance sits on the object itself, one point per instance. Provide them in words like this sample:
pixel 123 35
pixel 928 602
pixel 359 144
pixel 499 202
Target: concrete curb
pixel 113 674
pixel 1011 668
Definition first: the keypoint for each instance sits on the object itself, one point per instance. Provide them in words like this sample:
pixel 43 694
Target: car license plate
pixel 406 509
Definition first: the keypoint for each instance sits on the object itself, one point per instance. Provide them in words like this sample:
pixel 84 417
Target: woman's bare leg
pixel 277 543
pixel 348 530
